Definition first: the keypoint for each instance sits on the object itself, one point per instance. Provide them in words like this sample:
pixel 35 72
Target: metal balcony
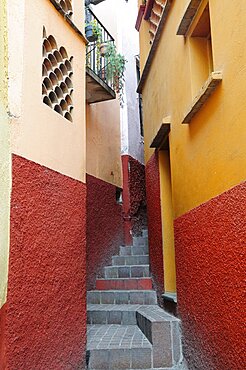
pixel 98 85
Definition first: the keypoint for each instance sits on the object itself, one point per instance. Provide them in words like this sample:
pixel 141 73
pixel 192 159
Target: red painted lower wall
pixel 46 302
pixel 104 227
pixel 134 197
pixel 210 253
pixel 2 338
pixel 154 223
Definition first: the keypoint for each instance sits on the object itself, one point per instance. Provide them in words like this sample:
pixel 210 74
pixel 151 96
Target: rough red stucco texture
pixel 134 196
pixel 155 224
pixel 46 302
pixel 2 338
pixel 104 227
pixel 210 253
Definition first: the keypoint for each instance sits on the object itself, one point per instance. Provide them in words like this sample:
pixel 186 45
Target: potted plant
pixel 103 49
pixel 116 65
pixel 93 31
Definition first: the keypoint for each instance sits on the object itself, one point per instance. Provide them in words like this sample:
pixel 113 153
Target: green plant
pixel 97 39
pixel 97 31
pixel 116 65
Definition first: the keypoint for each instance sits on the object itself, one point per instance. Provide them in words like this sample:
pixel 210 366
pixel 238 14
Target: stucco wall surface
pixel 33 122
pixel 46 302
pixel 208 155
pixel 2 338
pixel 154 222
pixel 104 227
pixel 167 222
pixel 210 256
pixel 5 157
pixel 103 136
pixel 103 142
pixel 134 193
pixel 131 140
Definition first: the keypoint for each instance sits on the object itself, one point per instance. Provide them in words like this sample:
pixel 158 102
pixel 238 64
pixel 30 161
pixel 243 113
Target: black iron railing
pixel 96 59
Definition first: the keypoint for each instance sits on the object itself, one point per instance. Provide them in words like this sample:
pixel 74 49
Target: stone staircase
pixel 126 328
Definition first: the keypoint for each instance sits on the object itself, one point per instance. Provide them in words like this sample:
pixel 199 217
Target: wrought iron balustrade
pixel 96 61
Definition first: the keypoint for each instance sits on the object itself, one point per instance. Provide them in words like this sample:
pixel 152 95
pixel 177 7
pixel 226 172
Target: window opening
pixel 57 73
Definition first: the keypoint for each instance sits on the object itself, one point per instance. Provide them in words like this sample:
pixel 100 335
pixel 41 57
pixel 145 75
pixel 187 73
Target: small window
pixel 119 198
pixel 57 74
pixel 201 50
pixel 66 6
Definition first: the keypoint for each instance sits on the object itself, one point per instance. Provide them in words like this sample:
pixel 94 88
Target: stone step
pixel 139 241
pixel 163 331
pixel 130 260
pixel 121 314
pixel 134 250
pixel 124 284
pixel 132 271
pixel 142 297
pixel 117 347
pixel 145 233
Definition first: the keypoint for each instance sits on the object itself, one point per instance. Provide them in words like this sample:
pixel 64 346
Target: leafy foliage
pixel 116 65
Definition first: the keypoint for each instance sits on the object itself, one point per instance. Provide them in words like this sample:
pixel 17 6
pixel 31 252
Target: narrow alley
pixel 122 184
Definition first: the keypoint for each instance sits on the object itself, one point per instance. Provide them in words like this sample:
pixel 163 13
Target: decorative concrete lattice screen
pixel 66 6
pixel 57 71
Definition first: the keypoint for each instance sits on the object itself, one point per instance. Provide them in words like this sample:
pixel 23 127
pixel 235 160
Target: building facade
pixel 61 215
pixel 5 174
pixel 46 116
pixel 193 87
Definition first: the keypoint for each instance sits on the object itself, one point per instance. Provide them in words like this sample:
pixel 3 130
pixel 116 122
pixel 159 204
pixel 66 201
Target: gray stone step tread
pixel 154 313
pixel 115 337
pixel 133 250
pixel 142 259
pixel 116 307
pixel 122 291
pixel 126 278
pixel 135 255
pixel 120 266
pixel 143 297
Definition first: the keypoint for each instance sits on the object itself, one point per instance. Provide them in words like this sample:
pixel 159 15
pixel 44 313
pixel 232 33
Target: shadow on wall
pixel 155 224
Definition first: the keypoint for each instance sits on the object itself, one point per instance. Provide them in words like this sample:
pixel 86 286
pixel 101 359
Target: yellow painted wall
pixel 208 156
pixel 144 43
pixel 167 222
pixel 144 40
pixel 38 132
pixel 5 158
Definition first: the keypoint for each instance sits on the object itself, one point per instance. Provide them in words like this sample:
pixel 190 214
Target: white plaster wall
pixel 132 142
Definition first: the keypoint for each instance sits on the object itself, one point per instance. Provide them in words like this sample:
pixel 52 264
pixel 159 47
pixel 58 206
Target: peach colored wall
pixel 5 157
pixel 103 119
pixel 103 142
pixel 39 133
